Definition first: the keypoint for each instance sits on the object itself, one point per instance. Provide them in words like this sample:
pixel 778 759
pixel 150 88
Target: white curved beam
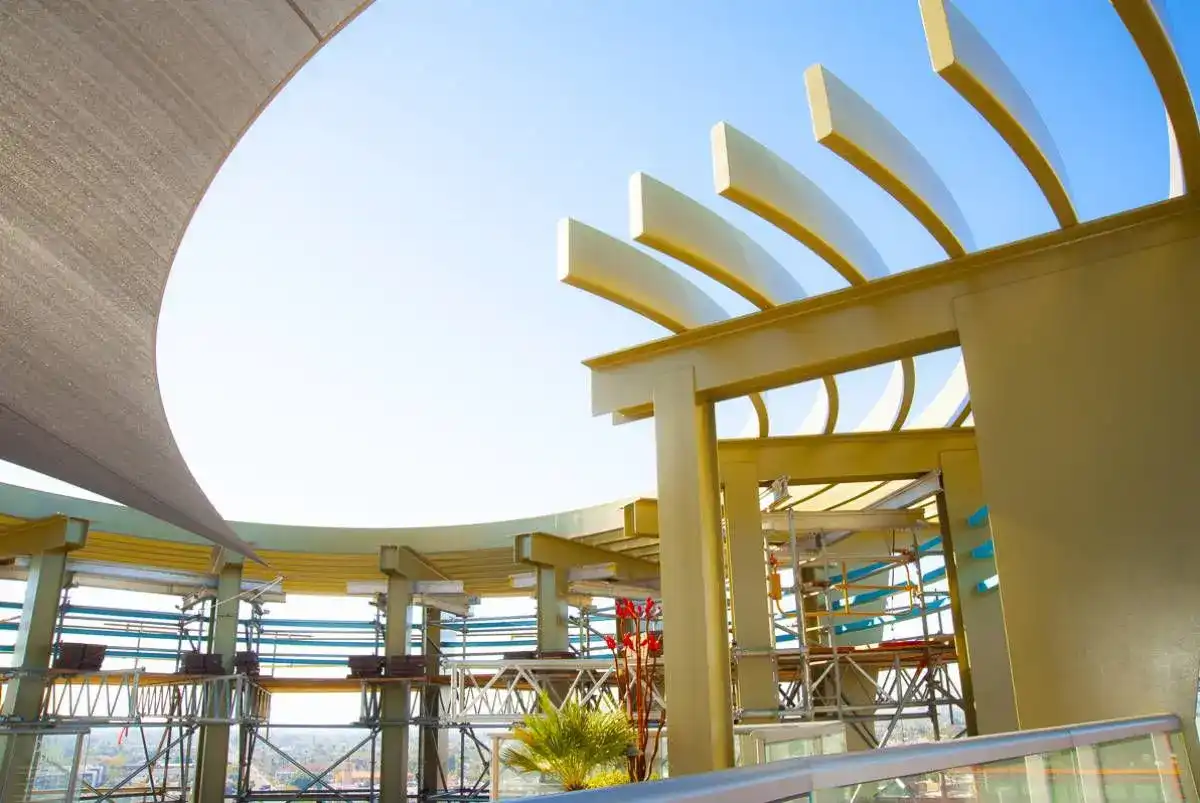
pixel 1147 24
pixel 853 129
pixel 671 222
pixel 1175 181
pixel 950 405
pixel 754 177
pixel 117 116
pixel 963 57
pixel 604 266
pixel 590 260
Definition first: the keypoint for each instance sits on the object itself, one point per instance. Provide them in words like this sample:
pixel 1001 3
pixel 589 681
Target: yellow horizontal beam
pixel 899 316
pixel 548 550
pixel 641 518
pixel 43 535
pixel 849 457
pixel 407 562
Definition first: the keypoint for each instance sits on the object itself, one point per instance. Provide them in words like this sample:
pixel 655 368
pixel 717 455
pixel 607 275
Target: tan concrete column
pixel 757 674
pixel 1085 388
pixel 553 633
pixel 981 642
pixel 394 710
pixel 212 751
pixel 695 624
pixel 32 651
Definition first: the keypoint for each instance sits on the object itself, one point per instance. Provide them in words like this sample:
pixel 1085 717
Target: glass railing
pixel 1124 761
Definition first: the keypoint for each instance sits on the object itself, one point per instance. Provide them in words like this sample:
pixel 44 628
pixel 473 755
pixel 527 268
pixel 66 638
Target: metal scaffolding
pixel 485 680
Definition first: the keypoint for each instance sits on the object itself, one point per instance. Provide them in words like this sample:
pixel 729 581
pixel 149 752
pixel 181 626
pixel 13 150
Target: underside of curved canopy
pixel 116 116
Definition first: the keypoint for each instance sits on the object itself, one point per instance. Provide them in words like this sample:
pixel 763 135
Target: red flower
pixel 628 640
pixel 650 610
pixel 653 642
pixel 637 611
pixel 610 642
pixel 624 609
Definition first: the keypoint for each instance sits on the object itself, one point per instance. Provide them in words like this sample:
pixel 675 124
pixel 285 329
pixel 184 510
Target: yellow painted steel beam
pixel 53 533
pixel 850 127
pixel 547 550
pixel 1146 23
pixel 403 561
pixel 850 457
pixel 835 521
pixel 963 57
pixel 899 316
pixel 597 263
pixel 671 222
pixel 641 518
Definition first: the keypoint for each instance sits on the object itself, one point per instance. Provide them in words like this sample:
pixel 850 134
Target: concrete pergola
pixel 1079 350
pixel 118 116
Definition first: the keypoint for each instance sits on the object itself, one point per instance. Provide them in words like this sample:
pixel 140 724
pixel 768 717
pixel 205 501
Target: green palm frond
pixel 570 743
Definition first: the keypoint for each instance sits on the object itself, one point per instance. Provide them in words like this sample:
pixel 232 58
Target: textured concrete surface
pixel 114 117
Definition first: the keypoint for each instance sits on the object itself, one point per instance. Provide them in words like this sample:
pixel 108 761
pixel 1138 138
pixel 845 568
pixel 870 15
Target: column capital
pixel 51 534
pixel 406 562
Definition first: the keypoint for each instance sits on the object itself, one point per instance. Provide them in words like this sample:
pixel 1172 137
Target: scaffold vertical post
pixel 394 702
pixel 753 630
pixel 34 646
pixel 695 629
pixel 212 752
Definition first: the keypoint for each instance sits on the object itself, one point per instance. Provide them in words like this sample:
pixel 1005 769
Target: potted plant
pixel 570 745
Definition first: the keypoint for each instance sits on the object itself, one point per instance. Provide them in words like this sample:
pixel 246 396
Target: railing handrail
pixel 789 779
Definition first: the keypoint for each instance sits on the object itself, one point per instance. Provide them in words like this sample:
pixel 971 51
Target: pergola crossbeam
pixel 406 562
pixel 540 549
pixel 42 535
pixel 904 315
pixel 850 457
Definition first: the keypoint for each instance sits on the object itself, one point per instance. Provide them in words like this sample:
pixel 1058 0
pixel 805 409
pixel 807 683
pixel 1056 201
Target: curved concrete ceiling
pixel 116 116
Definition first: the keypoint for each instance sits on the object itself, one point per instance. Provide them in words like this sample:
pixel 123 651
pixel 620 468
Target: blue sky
pixel 363 325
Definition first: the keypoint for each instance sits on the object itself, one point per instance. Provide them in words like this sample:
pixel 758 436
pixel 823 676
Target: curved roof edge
pixel 28 503
pixel 121 115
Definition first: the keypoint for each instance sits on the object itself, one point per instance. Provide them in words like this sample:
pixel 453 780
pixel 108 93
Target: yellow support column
pixel 695 624
pixel 757 674
pixel 980 640
pixel 35 636
pixel 394 703
pixel 212 752
pixel 1085 415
